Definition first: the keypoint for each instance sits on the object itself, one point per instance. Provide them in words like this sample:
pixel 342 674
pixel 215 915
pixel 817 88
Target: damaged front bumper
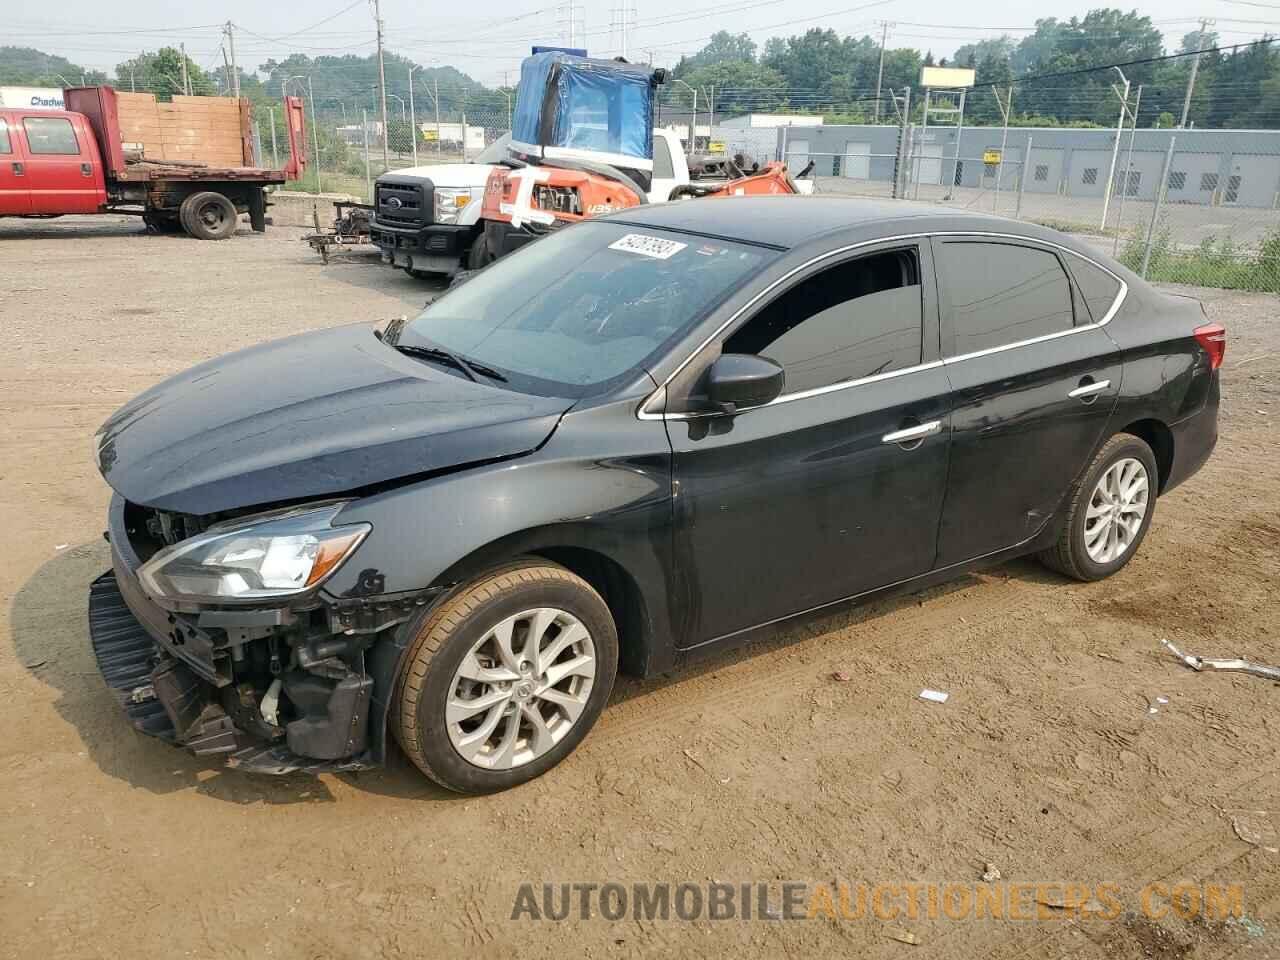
pixel 169 698
pixel 267 689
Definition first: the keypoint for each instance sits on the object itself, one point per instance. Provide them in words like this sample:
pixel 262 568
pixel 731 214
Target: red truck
pixel 185 164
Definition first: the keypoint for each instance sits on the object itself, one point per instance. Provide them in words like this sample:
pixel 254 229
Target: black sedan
pixel 642 438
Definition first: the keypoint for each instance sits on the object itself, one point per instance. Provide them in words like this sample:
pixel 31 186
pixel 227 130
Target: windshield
pixel 495 152
pixel 575 312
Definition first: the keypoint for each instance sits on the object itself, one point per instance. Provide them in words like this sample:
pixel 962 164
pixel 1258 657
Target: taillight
pixel 1213 337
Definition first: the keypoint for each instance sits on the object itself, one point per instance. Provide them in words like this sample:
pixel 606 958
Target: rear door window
pixel 51 136
pixel 854 320
pixel 1001 293
pixel 5 145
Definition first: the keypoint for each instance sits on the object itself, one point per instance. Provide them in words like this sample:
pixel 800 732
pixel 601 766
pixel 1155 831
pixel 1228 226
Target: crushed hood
pixel 313 415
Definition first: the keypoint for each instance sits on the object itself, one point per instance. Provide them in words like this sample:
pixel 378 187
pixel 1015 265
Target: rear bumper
pixel 1194 438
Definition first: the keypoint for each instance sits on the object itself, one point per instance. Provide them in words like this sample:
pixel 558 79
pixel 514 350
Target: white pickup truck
pixel 427 219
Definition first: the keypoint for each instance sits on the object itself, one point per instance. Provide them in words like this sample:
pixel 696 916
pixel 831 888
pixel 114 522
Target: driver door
pixel 836 487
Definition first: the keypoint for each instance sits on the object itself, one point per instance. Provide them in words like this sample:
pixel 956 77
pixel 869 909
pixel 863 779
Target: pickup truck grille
pixel 403 202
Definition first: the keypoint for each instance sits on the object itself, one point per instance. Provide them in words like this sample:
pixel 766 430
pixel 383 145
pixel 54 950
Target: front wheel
pixel 1109 511
pixel 504 677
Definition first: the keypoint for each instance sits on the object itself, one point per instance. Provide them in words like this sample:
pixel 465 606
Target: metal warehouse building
pixel 1210 167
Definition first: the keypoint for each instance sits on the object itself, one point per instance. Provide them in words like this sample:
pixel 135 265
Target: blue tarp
pixel 601 105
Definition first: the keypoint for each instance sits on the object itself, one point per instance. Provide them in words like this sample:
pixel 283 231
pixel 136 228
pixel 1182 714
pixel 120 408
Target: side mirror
pixel 739 380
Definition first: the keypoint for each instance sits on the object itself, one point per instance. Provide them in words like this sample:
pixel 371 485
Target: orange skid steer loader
pixel 582 146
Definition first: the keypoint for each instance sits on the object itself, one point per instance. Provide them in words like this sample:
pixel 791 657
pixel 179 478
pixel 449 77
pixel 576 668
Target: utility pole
pixel 234 68
pixel 382 82
pixel 1205 23
pixel 186 82
pixel 1115 150
pixel 413 117
pixel 133 86
pixel 315 131
pixel 884 36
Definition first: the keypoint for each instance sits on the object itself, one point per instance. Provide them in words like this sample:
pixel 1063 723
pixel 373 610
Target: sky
pixel 489 43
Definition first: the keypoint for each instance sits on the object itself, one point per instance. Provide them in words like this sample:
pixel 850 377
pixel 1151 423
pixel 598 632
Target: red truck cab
pixel 49 164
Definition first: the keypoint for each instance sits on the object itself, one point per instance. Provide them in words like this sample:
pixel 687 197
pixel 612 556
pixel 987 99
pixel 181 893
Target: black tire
pixel 209 215
pixel 445 634
pixel 1070 556
pixel 479 256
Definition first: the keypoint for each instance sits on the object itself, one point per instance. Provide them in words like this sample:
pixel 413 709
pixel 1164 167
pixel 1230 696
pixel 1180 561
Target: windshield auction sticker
pixel 659 248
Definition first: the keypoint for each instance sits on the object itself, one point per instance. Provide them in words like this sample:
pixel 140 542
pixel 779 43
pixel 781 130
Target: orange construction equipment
pixel 582 146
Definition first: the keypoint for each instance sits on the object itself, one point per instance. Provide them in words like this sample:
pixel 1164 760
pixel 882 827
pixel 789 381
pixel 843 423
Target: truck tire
pixel 209 215
pixel 479 256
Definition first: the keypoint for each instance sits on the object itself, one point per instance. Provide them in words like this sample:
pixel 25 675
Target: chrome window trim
pixel 643 413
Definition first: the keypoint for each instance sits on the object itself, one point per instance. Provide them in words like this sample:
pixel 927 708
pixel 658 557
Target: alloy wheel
pixel 1116 510
pixel 520 688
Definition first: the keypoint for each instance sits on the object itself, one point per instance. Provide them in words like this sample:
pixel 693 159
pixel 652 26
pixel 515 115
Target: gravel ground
pixel 1047 761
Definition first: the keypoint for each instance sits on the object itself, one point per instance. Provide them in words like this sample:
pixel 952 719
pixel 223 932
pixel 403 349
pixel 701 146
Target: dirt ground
pixel 1048 761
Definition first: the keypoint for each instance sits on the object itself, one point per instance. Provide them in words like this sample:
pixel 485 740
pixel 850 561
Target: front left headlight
pixel 271 557
pixel 449 203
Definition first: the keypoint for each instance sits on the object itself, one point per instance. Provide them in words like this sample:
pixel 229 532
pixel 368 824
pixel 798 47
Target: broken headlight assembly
pixel 267 557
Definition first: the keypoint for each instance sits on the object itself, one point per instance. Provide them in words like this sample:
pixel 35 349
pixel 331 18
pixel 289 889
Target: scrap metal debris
pixel 991 874
pixel 1220 663
pixel 937 696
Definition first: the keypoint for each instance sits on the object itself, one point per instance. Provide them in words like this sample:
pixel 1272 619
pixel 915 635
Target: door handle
pixel 86 170
pixel 908 434
pixel 18 169
pixel 1089 389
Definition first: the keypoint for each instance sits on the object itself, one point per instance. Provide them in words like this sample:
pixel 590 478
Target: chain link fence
pixel 352 153
pixel 1185 206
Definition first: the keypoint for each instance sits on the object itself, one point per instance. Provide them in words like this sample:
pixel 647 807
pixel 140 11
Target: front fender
pixel 601 484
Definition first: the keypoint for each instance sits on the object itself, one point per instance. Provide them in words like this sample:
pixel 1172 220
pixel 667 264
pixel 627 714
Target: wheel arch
pixel 637 640
pixel 1157 435
pixel 608 576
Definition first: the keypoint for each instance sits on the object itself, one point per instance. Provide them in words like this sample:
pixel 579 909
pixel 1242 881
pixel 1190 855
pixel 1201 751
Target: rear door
pixel 15 197
pixel 63 170
pixel 1034 381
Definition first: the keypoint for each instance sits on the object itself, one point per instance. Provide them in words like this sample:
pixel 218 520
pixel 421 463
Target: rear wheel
pixel 1109 512
pixel 209 215
pixel 505 677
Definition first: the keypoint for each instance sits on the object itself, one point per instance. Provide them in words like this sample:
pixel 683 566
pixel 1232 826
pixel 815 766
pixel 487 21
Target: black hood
pixel 313 415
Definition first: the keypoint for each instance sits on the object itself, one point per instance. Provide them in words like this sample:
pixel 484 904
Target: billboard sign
pixel 946 77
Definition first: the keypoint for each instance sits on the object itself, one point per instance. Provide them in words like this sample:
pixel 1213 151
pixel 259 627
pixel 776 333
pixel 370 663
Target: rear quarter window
pixel 5 145
pixel 1098 289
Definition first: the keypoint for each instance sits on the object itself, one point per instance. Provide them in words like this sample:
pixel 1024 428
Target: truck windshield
pixel 586 308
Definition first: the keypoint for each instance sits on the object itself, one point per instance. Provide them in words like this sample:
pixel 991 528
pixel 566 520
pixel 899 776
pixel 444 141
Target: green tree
pixel 161 73
pixel 738 86
pixel 723 47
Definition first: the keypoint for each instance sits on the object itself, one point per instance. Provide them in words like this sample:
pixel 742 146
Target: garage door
pixel 1193 177
pixel 1253 182
pixel 1044 171
pixel 1089 170
pixel 857 160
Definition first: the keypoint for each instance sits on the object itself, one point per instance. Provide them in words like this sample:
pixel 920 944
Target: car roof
pixel 790 221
